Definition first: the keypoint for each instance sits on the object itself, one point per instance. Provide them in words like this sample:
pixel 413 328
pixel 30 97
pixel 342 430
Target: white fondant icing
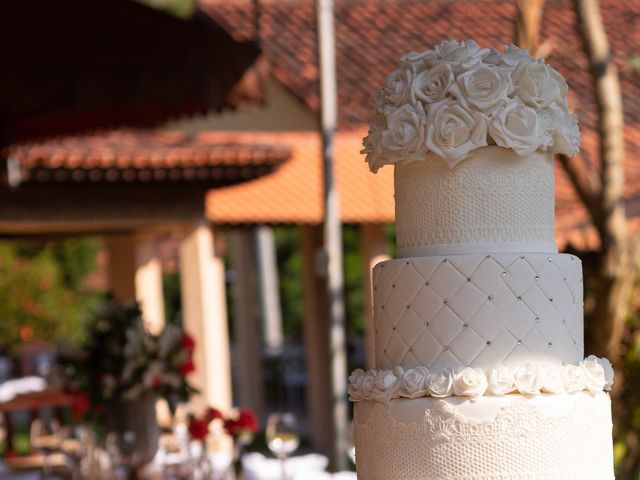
pixel 478 311
pixel 511 437
pixel 497 198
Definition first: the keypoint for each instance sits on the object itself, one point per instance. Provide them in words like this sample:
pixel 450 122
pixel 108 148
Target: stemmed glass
pixel 124 454
pixel 351 445
pixel 75 443
pixel 45 437
pixel 282 437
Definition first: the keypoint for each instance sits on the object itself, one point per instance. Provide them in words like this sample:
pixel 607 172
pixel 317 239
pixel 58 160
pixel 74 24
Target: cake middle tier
pixel 478 310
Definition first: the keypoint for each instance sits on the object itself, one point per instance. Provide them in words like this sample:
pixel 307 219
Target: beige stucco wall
pixel 282 111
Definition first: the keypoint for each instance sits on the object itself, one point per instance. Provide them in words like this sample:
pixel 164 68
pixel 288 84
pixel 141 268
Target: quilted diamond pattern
pixel 478 310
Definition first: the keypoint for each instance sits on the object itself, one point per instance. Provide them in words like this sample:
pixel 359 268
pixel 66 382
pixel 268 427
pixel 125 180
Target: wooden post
pixel 148 284
pixel 269 289
pixel 316 336
pixel 333 236
pixel 121 249
pixel 374 250
pixel 135 273
pixel 204 314
pixel 246 314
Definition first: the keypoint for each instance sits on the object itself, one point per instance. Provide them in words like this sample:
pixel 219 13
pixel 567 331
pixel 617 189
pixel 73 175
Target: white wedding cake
pixel 480 371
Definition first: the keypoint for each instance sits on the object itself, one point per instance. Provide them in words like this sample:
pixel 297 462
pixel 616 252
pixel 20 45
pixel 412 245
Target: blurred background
pixel 175 153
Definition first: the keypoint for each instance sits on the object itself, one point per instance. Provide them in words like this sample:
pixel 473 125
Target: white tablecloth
pixel 302 467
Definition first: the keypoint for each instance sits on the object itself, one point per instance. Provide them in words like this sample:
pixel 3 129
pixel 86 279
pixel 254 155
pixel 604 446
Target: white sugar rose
pixel 566 139
pixel 418 61
pixel 356 381
pixel 575 378
pixel 431 85
pixel 470 382
pixel 594 375
pixel 512 57
pixel 440 385
pixel 386 385
pixel 372 143
pixel 368 385
pixel 484 88
pixel 539 85
pixel 460 55
pixel 397 89
pixel 454 131
pixel 500 381
pixel 528 379
pixel 552 379
pixel 404 137
pixel 608 371
pixel 414 383
pixel 517 126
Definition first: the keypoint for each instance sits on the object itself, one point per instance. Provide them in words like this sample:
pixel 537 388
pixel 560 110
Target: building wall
pixel 282 111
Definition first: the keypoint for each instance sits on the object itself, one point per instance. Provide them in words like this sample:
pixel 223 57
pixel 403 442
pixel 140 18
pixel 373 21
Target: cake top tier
pixel 458 98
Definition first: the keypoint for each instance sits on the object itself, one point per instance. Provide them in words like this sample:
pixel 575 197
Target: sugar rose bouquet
pixel 459 97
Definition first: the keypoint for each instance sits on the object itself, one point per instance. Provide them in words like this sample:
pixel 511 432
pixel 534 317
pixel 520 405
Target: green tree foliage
pixel 42 288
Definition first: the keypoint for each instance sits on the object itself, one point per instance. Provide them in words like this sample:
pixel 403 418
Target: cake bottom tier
pixel 542 437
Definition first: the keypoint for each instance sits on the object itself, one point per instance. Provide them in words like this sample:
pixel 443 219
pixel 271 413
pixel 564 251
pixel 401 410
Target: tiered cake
pixel 478 323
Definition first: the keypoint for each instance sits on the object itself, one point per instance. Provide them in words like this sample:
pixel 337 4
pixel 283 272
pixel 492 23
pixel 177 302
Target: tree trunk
pixel 613 282
pixel 611 268
pixel 528 24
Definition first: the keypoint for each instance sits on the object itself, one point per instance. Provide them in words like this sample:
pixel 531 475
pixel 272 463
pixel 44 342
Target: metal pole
pixel 333 234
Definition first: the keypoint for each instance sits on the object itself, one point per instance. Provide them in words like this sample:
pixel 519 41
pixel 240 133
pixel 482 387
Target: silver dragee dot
pixel 537 277
pixel 468 279
pixel 504 274
pixel 444 349
pixel 488 342
pixel 490 297
pixel 550 344
pixel 466 325
pixel 519 342
pixel 537 319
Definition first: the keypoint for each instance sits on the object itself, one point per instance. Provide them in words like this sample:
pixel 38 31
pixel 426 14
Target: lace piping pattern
pixel 520 443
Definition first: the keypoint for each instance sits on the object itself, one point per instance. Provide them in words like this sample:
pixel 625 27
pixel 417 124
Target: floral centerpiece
pixel 459 97
pixel 241 426
pixel 120 360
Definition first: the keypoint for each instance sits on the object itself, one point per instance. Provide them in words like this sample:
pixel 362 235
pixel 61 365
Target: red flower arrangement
pixel 241 426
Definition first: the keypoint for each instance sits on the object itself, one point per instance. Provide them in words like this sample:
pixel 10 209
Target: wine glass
pixel 351 450
pixel 282 437
pixel 45 437
pixel 123 453
pixel 75 443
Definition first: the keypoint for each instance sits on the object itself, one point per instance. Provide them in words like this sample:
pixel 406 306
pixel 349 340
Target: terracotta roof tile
pixel 372 35
pixel 293 194
pixel 144 156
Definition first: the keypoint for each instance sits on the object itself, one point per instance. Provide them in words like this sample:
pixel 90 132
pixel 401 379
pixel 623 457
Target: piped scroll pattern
pixel 520 443
pixel 478 310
